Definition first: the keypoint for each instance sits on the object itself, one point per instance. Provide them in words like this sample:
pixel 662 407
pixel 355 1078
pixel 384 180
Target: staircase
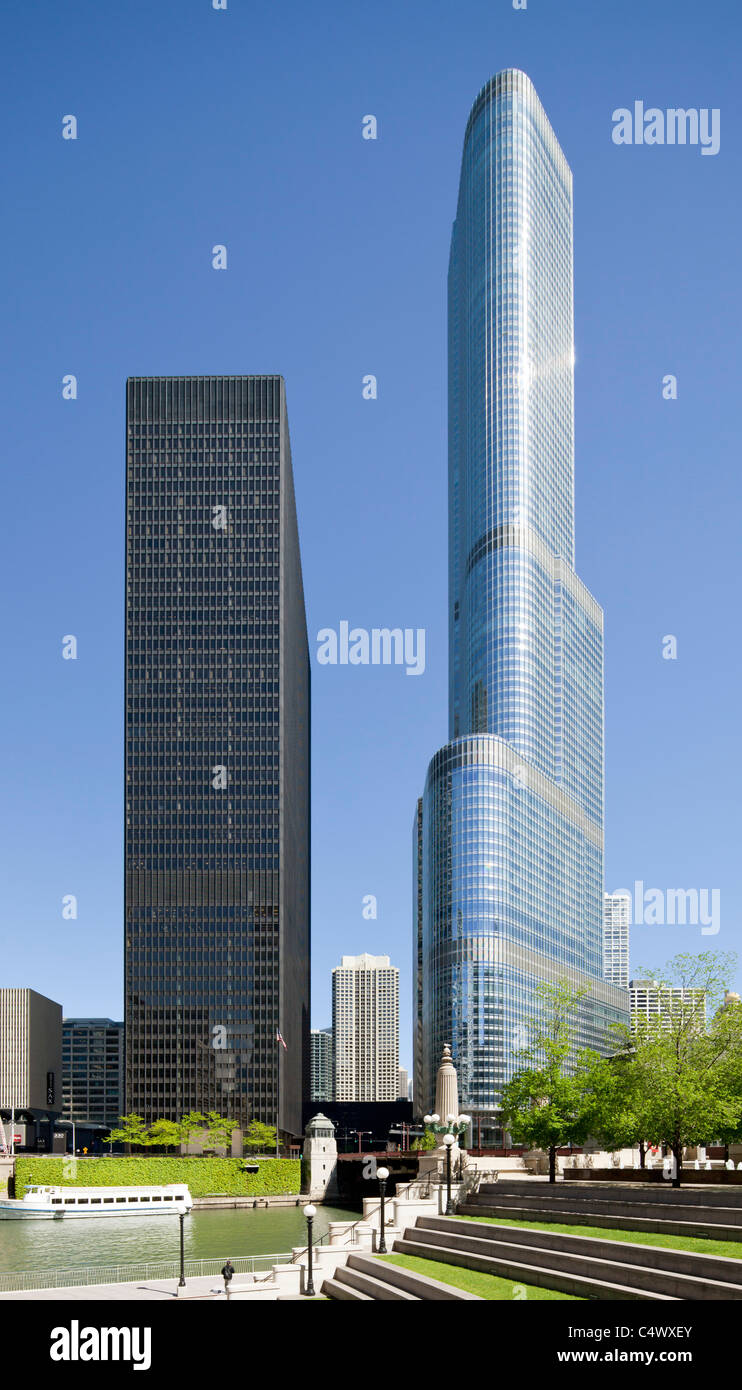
pixel 366 1277
pixel 585 1266
pixel 699 1211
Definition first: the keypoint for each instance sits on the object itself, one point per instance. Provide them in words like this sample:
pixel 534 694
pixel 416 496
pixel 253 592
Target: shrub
pixel 204 1176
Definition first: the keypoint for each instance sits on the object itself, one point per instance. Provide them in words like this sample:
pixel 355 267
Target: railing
pixel 130 1273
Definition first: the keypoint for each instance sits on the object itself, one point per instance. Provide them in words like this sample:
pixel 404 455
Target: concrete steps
pixel 675 1212
pixel 507 1264
pixel 583 1265
pixel 366 1277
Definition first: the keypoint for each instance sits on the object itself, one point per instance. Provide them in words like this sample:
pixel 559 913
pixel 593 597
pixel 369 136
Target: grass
pixel 698 1245
pixel 487 1286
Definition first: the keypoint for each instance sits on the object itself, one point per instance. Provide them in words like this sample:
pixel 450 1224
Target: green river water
pixel 35 1245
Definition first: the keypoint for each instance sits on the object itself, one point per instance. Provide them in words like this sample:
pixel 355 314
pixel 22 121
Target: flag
pixel 280 1039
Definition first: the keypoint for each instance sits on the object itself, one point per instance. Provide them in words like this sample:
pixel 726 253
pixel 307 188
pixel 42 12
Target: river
pixel 35 1245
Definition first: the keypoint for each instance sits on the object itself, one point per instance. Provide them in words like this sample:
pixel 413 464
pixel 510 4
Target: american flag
pixel 279 1038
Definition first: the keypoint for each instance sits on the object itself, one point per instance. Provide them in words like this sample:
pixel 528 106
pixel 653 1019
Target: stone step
pixel 574 1215
pixel 673 1272
pixel 572 1190
pixel 507 1268
pixel 373 1285
pixel 422 1286
pixel 332 1288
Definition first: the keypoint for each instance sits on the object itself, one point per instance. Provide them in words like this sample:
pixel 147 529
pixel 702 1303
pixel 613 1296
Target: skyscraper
pixel 616 920
pixel 217 754
pixel 322 1087
pixel 365 1028
pixel 92 1071
pixel 509 846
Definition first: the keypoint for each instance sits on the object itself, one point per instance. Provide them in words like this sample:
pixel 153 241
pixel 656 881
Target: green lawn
pixel 485 1285
pixel 698 1245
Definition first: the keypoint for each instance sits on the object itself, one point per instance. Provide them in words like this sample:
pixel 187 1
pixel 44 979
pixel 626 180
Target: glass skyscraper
pixel 217 754
pixel 508 842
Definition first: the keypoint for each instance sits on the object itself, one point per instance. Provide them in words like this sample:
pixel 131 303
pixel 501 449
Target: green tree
pixel 425 1141
pixel 685 1071
pixel 132 1130
pixel 164 1134
pixel 192 1127
pixel 260 1137
pixel 548 1102
pixel 218 1129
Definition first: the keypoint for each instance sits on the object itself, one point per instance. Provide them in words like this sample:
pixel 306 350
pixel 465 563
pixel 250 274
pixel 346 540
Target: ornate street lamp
pixel 382 1175
pixel 310 1212
pixel 450 1129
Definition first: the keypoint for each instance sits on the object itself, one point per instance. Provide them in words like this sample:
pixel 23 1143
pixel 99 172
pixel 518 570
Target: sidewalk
pixel 210 1287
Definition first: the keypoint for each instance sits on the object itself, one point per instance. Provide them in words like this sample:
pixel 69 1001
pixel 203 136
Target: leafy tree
pixel 219 1129
pixel 164 1133
pixel 425 1141
pixel 684 1073
pixel 260 1137
pixel 548 1102
pixel 192 1126
pixel 132 1131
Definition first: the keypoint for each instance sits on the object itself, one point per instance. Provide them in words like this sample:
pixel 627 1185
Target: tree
pixel 132 1131
pixel 548 1102
pixel 425 1141
pixel 192 1126
pixel 685 1071
pixel 164 1133
pixel 219 1129
pixel 260 1136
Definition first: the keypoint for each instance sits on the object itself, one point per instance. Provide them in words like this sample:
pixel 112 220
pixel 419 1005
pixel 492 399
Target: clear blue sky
pixel 243 127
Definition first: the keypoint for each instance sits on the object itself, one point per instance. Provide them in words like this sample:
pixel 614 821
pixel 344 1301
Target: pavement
pixel 208 1287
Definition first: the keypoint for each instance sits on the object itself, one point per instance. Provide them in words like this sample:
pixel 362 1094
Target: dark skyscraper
pixel 217 754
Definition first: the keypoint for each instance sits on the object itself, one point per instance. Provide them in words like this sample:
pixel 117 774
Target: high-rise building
pixel 404 1084
pixel 322 1087
pixel 30 1057
pixel 509 847
pixel 217 754
pixel 365 1028
pixel 92 1071
pixel 650 1001
pixel 616 925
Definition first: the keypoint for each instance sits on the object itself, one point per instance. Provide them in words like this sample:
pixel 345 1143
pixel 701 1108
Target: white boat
pixel 52 1203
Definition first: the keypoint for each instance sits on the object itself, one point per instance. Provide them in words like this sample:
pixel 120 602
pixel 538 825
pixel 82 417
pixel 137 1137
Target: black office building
pixel 217 754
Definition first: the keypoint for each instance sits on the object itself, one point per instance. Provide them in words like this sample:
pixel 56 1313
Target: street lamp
pixel 382 1175
pixel 451 1129
pixel 310 1212
pixel 181 1214
pixel 449 1140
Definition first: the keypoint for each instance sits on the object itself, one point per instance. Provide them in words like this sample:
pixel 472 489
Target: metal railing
pixel 22 1280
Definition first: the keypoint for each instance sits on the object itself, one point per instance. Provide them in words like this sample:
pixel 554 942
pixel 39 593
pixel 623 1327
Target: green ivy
pixel 205 1176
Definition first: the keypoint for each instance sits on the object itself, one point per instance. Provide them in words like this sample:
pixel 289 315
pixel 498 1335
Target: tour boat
pixel 51 1203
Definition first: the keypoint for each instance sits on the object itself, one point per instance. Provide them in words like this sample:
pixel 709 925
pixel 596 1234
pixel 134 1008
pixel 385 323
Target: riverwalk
pixel 154 1290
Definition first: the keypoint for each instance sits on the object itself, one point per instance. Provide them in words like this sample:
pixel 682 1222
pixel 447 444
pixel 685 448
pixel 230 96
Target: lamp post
pixel 450 1128
pixel 181 1217
pixel 310 1212
pixel 449 1140
pixel 382 1175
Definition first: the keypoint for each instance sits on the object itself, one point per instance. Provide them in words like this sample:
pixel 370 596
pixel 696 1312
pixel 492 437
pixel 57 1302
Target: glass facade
pixel 508 850
pixel 217 754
